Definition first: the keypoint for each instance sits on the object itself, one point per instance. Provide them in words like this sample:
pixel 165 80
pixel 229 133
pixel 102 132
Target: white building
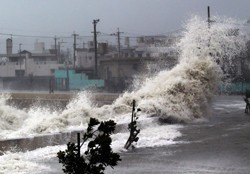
pixel 40 63
pixel 85 59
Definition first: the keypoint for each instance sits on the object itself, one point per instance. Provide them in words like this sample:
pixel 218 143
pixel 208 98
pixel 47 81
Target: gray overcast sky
pixel 63 17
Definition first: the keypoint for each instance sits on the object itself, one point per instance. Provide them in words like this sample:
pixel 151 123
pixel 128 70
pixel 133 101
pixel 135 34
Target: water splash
pixel 180 94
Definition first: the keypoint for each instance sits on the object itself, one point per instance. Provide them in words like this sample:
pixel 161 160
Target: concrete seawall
pixel 39 141
pixel 25 144
pixel 27 99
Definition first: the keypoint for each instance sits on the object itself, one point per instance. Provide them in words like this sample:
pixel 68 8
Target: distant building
pixel 85 59
pixel 26 69
pixel 118 69
pixel 26 63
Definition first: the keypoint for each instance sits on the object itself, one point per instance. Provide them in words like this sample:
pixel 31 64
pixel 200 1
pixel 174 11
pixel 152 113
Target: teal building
pixel 70 80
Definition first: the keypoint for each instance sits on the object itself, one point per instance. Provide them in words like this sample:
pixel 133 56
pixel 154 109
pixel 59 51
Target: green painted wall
pixel 76 80
pixel 236 88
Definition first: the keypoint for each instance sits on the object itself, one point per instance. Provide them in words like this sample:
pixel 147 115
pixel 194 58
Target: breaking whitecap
pixel 180 94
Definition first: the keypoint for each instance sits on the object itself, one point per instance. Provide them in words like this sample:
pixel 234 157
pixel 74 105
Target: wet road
pixel 220 145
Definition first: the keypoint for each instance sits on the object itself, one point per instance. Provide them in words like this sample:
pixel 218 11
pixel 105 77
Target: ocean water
pixel 181 95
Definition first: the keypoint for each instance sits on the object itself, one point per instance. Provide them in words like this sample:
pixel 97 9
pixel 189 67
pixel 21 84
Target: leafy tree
pixel 98 155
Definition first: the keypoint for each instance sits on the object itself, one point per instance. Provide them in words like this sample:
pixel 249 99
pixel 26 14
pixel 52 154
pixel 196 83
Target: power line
pixel 40 36
pixel 20 35
pixel 126 34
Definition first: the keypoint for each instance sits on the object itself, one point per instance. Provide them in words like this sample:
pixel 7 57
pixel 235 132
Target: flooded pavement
pixel 219 145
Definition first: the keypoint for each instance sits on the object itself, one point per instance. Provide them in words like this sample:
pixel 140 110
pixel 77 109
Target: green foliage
pixel 98 155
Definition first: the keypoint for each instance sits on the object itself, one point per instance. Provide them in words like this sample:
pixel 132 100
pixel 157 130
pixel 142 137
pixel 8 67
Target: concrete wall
pixel 85 59
pixel 8 69
pixel 24 144
pixel 27 99
pixel 118 73
pixel 26 83
pixel 43 68
pixel 36 68
pixel 120 68
pixel 30 66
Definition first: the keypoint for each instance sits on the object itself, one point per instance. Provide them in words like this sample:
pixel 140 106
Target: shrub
pixel 98 155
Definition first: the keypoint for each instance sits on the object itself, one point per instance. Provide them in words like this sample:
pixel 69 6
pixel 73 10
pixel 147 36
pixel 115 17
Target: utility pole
pixel 20 49
pixel 59 51
pixel 118 34
pixel 20 45
pixel 95 21
pixel 209 21
pixel 208 16
pixel 74 51
pixel 56 49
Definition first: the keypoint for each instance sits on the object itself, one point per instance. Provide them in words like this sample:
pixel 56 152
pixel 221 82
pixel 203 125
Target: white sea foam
pixel 183 92
pixel 180 94
pixel 27 162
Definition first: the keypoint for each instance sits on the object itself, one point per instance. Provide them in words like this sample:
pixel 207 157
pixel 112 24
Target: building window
pixel 90 57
